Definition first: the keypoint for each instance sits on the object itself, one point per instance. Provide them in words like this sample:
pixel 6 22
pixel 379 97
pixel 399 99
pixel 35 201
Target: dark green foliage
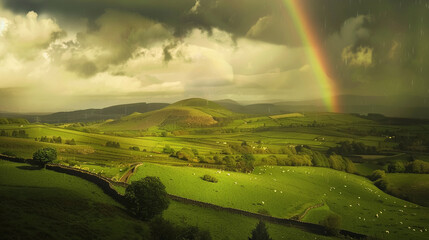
pixel 396 167
pixel 185 154
pixel 45 155
pixel 195 151
pixel 168 150
pixel 348 148
pixel 209 178
pixel 57 139
pixel 377 174
pixel 260 232
pixel 113 144
pixel 70 142
pixel 332 224
pixel 19 134
pixel 162 229
pixel 13 121
pixel 382 184
pixel 3 133
pixel 134 148
pixel 146 198
pixel 418 166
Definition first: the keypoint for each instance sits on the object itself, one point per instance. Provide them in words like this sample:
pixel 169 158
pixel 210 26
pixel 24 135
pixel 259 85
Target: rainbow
pixel 315 53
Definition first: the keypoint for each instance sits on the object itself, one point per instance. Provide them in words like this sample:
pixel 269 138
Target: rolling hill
pixel 194 112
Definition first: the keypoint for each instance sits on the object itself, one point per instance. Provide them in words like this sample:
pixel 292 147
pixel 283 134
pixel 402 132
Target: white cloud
pixel 25 36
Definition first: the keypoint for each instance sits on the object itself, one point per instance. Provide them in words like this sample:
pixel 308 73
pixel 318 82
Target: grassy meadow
pixel 287 191
pixel 279 191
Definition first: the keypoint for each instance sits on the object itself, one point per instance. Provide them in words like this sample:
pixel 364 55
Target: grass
pixel 289 193
pixel 41 204
pixel 414 186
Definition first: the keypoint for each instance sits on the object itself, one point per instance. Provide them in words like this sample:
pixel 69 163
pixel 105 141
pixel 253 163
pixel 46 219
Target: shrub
pixel 377 174
pixel 382 184
pixel 185 154
pixel 45 155
pixel 134 148
pixel 332 223
pixel 168 150
pixel 209 178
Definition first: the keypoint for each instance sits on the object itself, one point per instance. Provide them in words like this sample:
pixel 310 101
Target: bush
pixel 377 174
pixel 70 142
pixel 161 229
pixel 45 155
pixel 146 198
pixel 396 167
pixel 332 223
pixel 113 144
pixel 185 154
pixel 209 178
pixel 382 184
pixel 134 148
pixel 168 150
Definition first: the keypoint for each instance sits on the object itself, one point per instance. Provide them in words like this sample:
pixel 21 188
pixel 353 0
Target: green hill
pixel 194 112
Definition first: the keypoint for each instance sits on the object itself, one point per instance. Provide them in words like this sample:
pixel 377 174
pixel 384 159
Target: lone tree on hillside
pixel 45 155
pixel 260 232
pixel 146 198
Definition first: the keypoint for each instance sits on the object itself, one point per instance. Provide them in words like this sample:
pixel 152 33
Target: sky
pixel 58 55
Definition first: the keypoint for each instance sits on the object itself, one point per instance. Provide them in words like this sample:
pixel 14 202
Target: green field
pixel 281 191
pixel 42 204
pixel 415 187
pixel 288 191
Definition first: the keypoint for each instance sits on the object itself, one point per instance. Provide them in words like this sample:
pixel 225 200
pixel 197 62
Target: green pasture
pixel 288 191
pixel 414 186
pixel 42 204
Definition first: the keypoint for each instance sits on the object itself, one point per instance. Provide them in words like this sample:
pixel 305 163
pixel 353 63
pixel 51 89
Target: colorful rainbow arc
pixel 315 53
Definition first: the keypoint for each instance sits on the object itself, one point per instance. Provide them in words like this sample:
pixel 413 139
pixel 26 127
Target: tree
pixel 332 223
pixel 45 155
pixel 377 174
pixel 260 232
pixel 146 198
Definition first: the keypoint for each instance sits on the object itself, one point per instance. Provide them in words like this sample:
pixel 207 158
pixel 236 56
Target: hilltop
pixel 193 112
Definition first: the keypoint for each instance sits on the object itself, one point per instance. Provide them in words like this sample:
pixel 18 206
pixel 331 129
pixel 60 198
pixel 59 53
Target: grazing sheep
pixel 275 190
pixel 376 215
pixel 387 231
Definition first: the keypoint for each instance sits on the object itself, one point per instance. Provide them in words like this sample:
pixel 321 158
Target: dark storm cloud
pixel 234 16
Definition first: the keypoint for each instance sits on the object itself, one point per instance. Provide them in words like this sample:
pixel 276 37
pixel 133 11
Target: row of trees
pixel 113 144
pixel 349 148
pixel 416 166
pixel 55 139
pixel 15 133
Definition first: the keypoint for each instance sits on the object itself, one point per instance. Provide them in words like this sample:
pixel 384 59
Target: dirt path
pixel 126 177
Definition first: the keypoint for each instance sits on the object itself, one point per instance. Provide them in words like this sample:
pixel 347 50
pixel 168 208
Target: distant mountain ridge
pixel 396 106
pixel 88 115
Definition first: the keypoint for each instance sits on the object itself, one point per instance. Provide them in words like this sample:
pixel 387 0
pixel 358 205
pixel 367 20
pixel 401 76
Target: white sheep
pixel 387 231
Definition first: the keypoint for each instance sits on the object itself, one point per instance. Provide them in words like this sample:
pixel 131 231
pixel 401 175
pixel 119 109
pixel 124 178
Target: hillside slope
pixel 194 112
